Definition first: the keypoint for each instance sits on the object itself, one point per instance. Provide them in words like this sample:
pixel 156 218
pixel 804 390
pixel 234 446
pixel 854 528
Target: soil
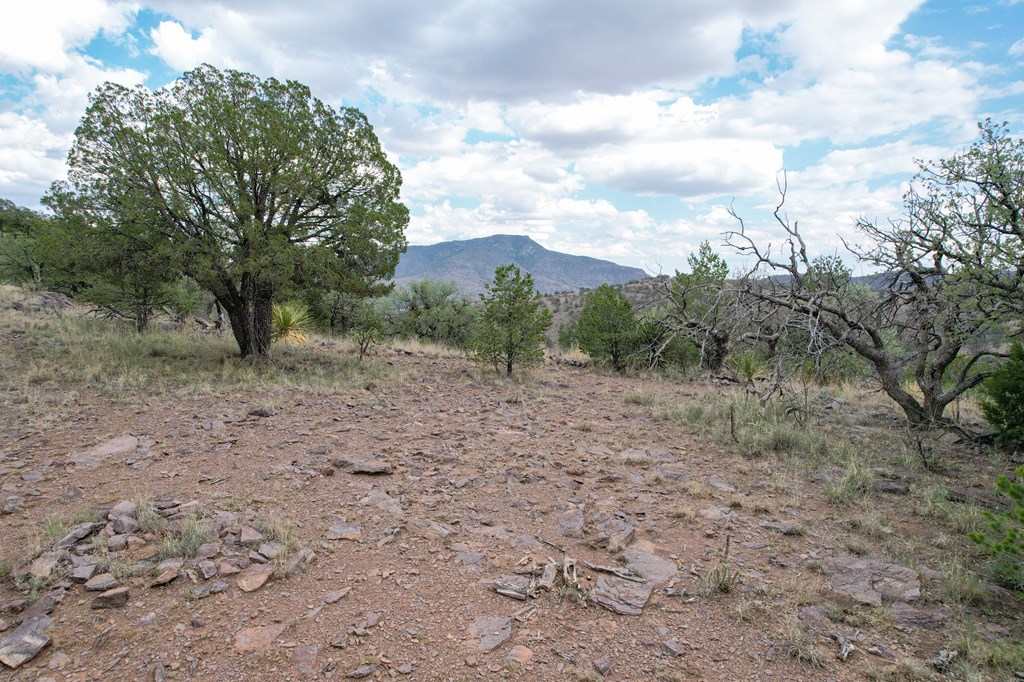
pixel 505 466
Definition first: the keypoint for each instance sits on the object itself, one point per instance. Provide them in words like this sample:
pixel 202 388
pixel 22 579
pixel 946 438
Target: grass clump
pixel 185 541
pixel 798 643
pixel 852 485
pixel 642 398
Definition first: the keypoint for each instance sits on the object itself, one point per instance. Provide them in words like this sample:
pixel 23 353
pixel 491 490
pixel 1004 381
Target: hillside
pixel 471 263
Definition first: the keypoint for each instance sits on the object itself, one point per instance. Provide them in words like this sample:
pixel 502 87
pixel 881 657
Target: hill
pixel 471 263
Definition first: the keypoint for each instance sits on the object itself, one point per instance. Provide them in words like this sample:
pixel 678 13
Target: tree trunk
pixel 916 414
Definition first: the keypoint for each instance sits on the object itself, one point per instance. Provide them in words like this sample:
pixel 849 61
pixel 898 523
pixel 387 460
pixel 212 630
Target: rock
pixel 83 573
pixel 77 534
pixel 469 557
pixel 32 476
pixel 271 550
pixel 813 615
pixel 519 654
pixel 42 607
pixel 115 543
pixel 252 639
pixel 719 484
pixel 123 509
pixel 254 577
pixel 101 583
pixel 783 527
pixel 208 550
pixel 111 599
pixel 122 445
pixel 718 514
pixel 344 531
pixel 404 668
pixel 922 619
pixel 44 565
pixel 201 591
pixel 488 632
pixel 884 485
pixel 361 672
pixel 603 666
pixel 570 523
pixel 334 597
pixel 227 568
pixel 300 559
pixel 614 533
pixel 657 570
pixel 430 529
pixel 621 596
pixel 218 586
pixel 169 575
pixel 27 640
pixel 72 494
pixel 207 569
pixel 304 659
pixel 871 582
pixel 673 648
pixel 264 411
pixel 382 501
pixel 250 536
pixel 371 467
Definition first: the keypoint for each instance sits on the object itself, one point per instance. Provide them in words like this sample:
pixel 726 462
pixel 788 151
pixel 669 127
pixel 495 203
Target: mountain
pixel 471 264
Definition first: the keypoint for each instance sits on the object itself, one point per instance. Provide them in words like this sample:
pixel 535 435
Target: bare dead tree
pixel 918 318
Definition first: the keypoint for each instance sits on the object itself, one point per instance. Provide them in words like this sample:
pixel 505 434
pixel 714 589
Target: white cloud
pixel 177 47
pixel 1017 49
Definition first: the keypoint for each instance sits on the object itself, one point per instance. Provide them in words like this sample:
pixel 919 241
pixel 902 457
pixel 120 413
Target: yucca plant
pixel 292 322
pixel 748 367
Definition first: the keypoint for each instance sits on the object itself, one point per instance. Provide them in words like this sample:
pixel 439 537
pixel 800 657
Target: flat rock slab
pixel 371 467
pixel 430 529
pixel 382 501
pixel 111 599
pixel 101 583
pixel 871 582
pixel 719 484
pixel 570 523
pixel 77 534
pixel 893 487
pixel 27 640
pixel 344 531
pixel 657 570
pixel 254 577
pixel 922 619
pixel 253 639
pixel 614 533
pixel 488 632
pixel 718 514
pixel 304 659
pixel 92 457
pixel 621 596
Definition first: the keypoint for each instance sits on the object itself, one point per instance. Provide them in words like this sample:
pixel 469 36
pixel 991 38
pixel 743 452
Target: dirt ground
pixel 483 477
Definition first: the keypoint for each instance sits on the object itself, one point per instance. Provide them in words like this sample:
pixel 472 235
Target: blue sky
pixel 597 127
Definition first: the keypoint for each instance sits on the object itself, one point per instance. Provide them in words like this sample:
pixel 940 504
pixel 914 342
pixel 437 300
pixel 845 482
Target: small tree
pixel 510 332
pixel 367 327
pixel 606 329
pixel 1004 397
pixel 702 306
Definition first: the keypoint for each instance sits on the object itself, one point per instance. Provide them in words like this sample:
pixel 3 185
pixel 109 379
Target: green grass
pixel 642 398
pixel 110 357
pixel 186 540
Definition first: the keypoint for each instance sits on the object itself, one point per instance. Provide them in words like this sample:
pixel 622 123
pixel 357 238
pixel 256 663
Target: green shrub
pixel 1005 541
pixel 292 322
pixel 1004 403
pixel 606 328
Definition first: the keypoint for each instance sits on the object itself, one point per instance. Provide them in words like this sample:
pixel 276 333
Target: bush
pixel 1004 403
pixel 606 328
pixel 511 330
pixel 292 322
pixel 1006 541
pixel 367 328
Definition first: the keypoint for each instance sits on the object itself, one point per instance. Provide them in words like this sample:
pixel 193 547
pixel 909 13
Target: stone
pixel 430 529
pixel 271 550
pixel 165 578
pixel 27 640
pixel 218 586
pixel 207 569
pixel 519 654
pixel 621 596
pixel 488 633
pixel 673 648
pixel 469 557
pixel 72 494
pixel 115 543
pixel 783 527
pixel 208 550
pixel 344 531
pixel 304 659
pixel 334 597
pixel 123 509
pixel 77 534
pixel 382 501
pixel 92 457
pixel 870 582
pixel 892 487
pixel 371 467
pixel 254 577
pixel 111 599
pixel 718 514
pixel 250 536
pixel 362 671
pixel 404 668
pixel 929 618
pixel 101 583
pixel 304 557
pixel 42 607
pixel 642 559
pixel 32 476
pixel 603 666
pixel 614 533
pixel 570 523
pixel 719 484
pixel 227 568
pixel 83 573
pixel 44 565
pixel 253 639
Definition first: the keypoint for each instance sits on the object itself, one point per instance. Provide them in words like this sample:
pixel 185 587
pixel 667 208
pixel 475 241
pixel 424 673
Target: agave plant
pixel 748 367
pixel 292 322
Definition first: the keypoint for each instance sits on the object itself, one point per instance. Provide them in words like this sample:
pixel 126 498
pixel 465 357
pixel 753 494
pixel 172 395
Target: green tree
pixel 431 310
pixel 1003 404
pixel 259 186
pixel 20 258
pixel 703 308
pixel 510 332
pixel 606 329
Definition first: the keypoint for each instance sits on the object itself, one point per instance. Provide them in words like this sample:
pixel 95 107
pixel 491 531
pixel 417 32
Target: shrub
pixel 606 328
pixel 1004 403
pixel 1005 542
pixel 511 330
pixel 292 322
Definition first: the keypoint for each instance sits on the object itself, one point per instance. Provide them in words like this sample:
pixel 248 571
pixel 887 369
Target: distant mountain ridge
pixel 471 263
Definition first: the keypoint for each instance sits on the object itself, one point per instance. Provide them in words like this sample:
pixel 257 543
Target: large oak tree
pixel 258 185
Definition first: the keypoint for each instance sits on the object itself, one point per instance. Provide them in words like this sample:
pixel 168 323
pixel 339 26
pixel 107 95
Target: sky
pixel 619 130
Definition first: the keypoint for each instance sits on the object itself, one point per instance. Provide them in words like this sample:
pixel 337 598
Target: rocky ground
pixel 448 525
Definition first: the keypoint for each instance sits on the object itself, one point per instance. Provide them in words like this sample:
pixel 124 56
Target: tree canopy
pixel 511 330
pixel 256 185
